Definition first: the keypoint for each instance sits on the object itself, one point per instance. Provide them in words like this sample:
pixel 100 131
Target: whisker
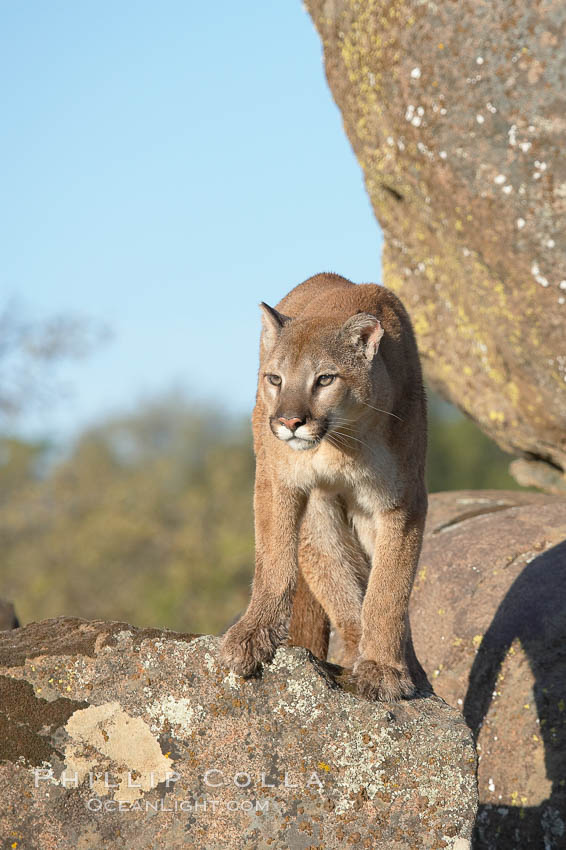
pixel 344 431
pixel 342 423
pixel 345 437
pixel 379 410
pixel 349 437
pixel 332 442
pixel 334 439
pixel 346 424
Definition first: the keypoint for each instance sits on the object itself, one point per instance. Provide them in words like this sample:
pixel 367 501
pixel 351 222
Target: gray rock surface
pixel 108 733
pixel 457 115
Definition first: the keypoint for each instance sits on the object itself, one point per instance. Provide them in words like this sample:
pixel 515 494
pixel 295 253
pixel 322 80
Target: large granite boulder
pixel 457 115
pixel 115 736
pixel 489 623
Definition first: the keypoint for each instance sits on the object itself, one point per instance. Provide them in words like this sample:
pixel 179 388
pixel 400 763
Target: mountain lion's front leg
pixel 387 668
pixel 253 640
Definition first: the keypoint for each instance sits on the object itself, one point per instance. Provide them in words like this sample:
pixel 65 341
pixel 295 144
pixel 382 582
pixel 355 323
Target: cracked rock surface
pixel 121 737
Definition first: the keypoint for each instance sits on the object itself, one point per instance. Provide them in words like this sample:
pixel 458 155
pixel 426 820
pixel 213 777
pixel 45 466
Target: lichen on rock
pixel 145 735
pixel 456 114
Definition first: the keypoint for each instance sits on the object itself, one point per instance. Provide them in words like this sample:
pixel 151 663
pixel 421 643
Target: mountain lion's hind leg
pixel 309 626
pixel 335 567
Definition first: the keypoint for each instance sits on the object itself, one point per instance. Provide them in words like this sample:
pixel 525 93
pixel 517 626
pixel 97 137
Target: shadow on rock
pixel 534 612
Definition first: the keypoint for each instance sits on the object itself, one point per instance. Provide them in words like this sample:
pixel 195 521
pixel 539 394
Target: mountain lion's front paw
pixel 382 682
pixel 245 649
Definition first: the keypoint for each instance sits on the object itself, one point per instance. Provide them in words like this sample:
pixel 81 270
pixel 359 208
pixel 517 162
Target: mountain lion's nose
pixel 292 423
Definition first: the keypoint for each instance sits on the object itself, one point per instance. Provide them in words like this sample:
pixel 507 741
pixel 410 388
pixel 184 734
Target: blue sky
pixel 166 167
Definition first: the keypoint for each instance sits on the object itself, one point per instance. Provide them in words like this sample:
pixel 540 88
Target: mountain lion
pixel 340 497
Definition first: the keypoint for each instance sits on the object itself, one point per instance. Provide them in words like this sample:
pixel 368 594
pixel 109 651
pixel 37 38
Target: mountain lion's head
pixel 318 376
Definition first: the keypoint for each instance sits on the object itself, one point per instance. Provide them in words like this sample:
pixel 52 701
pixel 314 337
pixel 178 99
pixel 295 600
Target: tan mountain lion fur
pixel 340 498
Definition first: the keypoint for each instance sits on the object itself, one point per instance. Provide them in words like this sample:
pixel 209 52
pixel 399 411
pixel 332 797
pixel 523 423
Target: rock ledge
pixel 112 733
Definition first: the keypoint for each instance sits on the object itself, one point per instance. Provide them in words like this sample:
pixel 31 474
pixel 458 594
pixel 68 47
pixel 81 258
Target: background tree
pixel 148 518
pixel 31 350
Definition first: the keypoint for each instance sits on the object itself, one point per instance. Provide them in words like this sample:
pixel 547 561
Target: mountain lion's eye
pixel 274 379
pixel 325 380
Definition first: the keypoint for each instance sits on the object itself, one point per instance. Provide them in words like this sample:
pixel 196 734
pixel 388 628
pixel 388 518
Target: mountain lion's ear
pixel 365 330
pixel 272 322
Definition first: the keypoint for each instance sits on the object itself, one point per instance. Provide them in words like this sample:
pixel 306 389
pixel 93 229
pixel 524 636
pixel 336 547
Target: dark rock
pixel 488 613
pixel 8 618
